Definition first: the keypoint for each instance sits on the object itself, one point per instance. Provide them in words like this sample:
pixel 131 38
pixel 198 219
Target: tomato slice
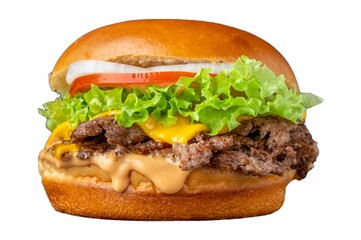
pixel 126 80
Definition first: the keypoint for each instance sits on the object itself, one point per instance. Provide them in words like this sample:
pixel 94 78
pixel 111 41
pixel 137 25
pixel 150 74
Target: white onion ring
pixel 86 67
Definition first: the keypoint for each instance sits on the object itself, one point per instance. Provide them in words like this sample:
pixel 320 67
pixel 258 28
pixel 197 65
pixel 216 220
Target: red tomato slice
pixel 111 80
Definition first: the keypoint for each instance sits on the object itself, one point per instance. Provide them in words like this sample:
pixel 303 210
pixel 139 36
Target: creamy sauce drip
pixel 166 175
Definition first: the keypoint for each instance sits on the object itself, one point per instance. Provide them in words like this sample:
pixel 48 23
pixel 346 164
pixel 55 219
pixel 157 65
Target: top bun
pixel 159 42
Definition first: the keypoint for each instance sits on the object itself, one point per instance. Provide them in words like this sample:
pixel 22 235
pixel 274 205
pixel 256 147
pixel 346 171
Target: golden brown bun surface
pixel 160 42
pixel 204 196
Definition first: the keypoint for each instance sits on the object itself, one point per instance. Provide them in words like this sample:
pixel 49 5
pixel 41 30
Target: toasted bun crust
pixel 159 42
pixel 91 197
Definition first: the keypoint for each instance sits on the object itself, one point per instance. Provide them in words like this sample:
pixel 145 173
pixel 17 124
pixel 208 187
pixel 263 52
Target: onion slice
pixel 86 67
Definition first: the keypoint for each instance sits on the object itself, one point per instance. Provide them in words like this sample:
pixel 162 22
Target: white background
pixel 320 39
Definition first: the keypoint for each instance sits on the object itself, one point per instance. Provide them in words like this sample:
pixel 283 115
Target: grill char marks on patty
pixel 259 146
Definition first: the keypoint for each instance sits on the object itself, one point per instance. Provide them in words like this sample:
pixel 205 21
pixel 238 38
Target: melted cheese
pixel 62 132
pixel 165 174
pixel 181 132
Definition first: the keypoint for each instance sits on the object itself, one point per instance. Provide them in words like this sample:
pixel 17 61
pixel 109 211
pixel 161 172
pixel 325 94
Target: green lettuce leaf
pixel 247 88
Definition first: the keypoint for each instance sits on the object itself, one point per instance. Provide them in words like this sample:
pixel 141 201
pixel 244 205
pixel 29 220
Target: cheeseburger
pixel 171 120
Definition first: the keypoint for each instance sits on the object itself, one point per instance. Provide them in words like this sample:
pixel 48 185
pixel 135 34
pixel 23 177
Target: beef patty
pixel 259 146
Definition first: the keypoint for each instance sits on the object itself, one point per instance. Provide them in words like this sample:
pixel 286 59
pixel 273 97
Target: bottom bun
pixel 90 197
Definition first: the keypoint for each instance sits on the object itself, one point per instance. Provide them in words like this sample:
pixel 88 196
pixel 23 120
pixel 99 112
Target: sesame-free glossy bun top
pixel 160 42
